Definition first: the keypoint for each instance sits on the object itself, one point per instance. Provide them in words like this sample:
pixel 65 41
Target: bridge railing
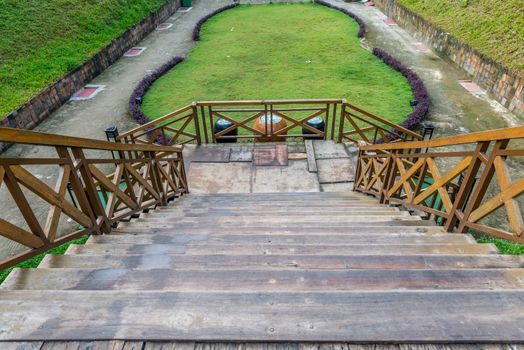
pixel 277 120
pixel 473 181
pixel 85 187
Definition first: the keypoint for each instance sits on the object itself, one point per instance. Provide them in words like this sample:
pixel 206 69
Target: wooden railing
pixel 140 177
pixel 463 181
pixel 341 121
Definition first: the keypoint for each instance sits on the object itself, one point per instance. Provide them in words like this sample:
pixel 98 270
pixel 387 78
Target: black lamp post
pixel 112 135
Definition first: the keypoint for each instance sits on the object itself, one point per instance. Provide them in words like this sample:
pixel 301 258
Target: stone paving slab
pixel 335 170
pixel 337 187
pixel 292 178
pixel 220 177
pixel 329 149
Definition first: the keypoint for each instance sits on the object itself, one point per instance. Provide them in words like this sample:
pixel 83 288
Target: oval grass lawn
pixel 281 51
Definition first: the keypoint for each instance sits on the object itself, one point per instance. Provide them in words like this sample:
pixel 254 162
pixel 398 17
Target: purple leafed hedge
pixel 198 26
pixel 138 93
pixel 361 24
pixel 417 86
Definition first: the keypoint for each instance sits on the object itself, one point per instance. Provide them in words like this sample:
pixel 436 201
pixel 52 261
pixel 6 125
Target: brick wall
pixel 52 97
pixel 505 86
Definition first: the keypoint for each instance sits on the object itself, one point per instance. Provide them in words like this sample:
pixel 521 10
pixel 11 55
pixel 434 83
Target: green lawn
pixel 504 246
pixel 495 28
pixel 41 40
pixel 262 52
pixel 35 261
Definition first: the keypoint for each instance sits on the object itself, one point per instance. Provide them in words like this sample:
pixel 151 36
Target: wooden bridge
pixel 389 263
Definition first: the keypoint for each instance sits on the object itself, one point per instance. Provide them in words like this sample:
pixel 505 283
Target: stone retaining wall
pixel 51 98
pixel 505 86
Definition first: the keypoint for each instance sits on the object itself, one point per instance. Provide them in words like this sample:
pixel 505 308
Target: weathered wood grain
pixel 284 262
pixel 444 316
pixel 288 249
pixel 262 281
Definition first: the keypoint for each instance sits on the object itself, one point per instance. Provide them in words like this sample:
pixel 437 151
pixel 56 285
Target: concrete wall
pixel 505 86
pixel 51 98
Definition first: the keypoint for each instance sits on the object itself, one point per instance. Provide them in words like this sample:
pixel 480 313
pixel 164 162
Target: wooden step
pixel 327 239
pixel 179 225
pixel 275 212
pixel 275 220
pixel 262 281
pixel 280 262
pixel 254 216
pixel 132 228
pixel 288 249
pixel 392 317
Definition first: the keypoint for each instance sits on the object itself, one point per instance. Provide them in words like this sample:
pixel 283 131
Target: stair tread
pixel 292 262
pixel 266 249
pixel 261 281
pixel 360 316
pixel 214 238
pixel 127 228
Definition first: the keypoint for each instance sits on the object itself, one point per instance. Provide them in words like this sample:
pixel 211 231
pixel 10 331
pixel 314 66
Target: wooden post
pixel 466 185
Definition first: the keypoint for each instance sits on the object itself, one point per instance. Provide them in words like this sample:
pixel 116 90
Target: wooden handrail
pixel 154 122
pixel 194 123
pixel 144 176
pixel 458 196
pixel 481 136
pixel 11 135
pixel 387 122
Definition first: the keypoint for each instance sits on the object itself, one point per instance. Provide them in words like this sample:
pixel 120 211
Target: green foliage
pixel 505 247
pixel 43 40
pixel 495 28
pixel 35 261
pixel 281 51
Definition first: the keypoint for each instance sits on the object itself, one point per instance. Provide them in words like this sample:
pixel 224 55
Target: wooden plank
pixel 289 249
pixel 442 316
pixel 491 135
pixel 284 262
pixel 311 160
pixel 10 135
pixel 239 281
pixel 389 238
pixel 126 228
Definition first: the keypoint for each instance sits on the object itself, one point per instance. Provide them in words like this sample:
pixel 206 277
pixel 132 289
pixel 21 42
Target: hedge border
pixel 418 88
pixel 198 26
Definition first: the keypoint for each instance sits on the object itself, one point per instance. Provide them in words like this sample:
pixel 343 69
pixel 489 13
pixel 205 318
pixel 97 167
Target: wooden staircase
pixel 271 267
